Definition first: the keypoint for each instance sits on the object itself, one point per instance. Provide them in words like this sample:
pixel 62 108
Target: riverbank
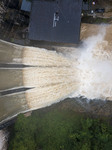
pixel 62 126
pixel 69 110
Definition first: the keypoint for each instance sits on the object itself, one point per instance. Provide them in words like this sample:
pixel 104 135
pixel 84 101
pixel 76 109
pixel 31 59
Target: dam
pixel 33 78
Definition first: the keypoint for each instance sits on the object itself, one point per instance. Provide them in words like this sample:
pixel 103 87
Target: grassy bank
pixel 56 129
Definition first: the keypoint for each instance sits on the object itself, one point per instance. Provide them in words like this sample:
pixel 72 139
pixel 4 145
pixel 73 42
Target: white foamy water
pixel 85 71
pixel 70 72
pixel 95 67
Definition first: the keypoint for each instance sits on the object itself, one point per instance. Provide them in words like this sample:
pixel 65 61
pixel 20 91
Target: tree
pixel 60 130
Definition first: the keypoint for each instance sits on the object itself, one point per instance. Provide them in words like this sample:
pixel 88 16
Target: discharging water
pixel 53 76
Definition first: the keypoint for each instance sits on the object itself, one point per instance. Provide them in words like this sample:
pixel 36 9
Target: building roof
pixel 55 21
pixel 26 5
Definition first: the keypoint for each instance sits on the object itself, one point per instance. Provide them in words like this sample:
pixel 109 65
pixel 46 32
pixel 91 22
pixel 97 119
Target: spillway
pixel 32 78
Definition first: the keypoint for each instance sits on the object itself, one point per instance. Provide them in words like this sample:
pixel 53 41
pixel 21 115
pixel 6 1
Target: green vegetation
pixel 60 130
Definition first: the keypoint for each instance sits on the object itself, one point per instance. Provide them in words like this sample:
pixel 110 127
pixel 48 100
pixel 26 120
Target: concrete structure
pixel 55 20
